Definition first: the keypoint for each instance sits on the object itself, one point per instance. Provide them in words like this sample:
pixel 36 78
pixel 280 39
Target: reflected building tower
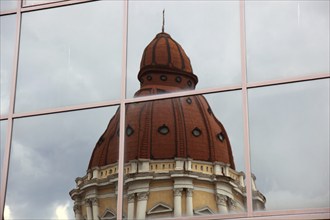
pixel 178 157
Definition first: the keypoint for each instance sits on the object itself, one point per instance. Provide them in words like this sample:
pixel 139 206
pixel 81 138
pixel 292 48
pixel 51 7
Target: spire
pixel 163 20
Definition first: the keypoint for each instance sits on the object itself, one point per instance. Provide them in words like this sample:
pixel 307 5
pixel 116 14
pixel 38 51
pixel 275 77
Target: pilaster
pixel 177 202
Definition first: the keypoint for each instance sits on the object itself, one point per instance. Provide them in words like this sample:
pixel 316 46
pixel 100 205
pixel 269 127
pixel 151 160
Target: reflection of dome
pixel 174 128
pixel 178 158
pixel 165 55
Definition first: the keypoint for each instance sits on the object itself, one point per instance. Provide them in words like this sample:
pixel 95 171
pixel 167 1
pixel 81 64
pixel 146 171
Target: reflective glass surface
pixel 48 154
pixel 8 5
pixel 184 157
pixel 70 55
pixel 289 135
pixel 3 138
pixel 287 39
pixel 7 47
pixel 208 32
pixel 37 2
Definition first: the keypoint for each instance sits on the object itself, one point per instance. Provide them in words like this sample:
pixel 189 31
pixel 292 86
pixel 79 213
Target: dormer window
pixel 163 77
pixel 163 129
pixel 221 136
pixel 196 132
pixel 129 130
pixel 149 77
pixel 189 101
pixel 178 79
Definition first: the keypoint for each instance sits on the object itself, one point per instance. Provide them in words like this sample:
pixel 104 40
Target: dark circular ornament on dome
pixel 196 132
pixel 163 77
pixel 129 130
pixel 209 110
pixel 189 101
pixel 149 77
pixel 189 83
pixel 178 79
pixel 142 81
pixel 163 129
pixel 221 137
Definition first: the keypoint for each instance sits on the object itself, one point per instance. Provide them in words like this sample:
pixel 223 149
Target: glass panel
pixel 48 154
pixel 8 5
pixel 287 38
pixel 38 2
pixel 7 47
pixel 3 138
pixel 290 144
pixel 213 49
pixel 179 160
pixel 74 60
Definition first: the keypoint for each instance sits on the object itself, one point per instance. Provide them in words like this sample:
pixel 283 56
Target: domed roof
pixel 166 52
pixel 165 55
pixel 183 127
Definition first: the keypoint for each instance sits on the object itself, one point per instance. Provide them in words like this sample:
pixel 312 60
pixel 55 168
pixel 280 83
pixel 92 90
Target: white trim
pixel 167 208
pixel 104 217
pixel 205 208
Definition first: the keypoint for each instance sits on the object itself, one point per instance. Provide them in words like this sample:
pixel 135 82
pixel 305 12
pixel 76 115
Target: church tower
pixel 178 157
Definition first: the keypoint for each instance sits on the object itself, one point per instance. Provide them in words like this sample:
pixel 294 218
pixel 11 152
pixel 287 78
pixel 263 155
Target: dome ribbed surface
pixel 182 127
pixel 163 51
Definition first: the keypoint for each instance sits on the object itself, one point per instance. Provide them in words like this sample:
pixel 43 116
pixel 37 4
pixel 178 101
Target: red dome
pixel 182 127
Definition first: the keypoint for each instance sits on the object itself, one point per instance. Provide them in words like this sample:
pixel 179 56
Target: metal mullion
pixel 8 12
pixel 120 183
pixel 288 80
pixel 293 213
pixel 7 150
pixel 182 94
pixel 29 8
pixel 66 109
pixel 245 110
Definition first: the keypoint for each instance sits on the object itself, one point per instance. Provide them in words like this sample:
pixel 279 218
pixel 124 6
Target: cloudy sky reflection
pixel 48 153
pixel 72 55
pixel 290 144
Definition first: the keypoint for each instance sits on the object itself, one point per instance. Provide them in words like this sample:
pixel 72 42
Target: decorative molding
pixel 204 211
pixel 130 198
pixel 87 202
pixel 108 214
pixel 178 192
pixel 221 199
pixel 94 201
pixel 232 203
pixel 190 192
pixel 159 208
pixel 143 196
pixel 76 209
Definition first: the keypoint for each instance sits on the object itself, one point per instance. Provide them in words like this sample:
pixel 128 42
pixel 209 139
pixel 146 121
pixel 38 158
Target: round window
pixel 221 137
pixel 163 77
pixel 163 129
pixel 129 131
pixel 196 132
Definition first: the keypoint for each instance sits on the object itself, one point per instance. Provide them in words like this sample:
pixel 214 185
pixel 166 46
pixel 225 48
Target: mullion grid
pixel 244 87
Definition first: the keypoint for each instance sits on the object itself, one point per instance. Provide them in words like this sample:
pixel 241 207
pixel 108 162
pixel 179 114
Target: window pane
pixel 8 5
pixel 70 55
pixel 208 32
pixel 287 38
pixel 3 138
pixel 7 47
pixel 180 160
pixel 290 144
pixel 37 2
pixel 48 153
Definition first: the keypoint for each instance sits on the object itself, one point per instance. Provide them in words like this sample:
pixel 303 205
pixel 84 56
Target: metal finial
pixel 163 20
